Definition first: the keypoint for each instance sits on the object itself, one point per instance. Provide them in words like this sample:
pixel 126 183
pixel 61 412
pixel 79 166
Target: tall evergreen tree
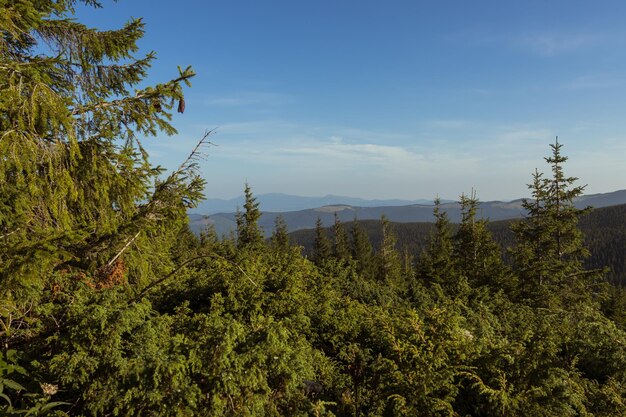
pixel 280 236
pixel 435 264
pixel 82 209
pixel 408 266
pixel 477 257
pixel 322 249
pixel 341 246
pixel 549 253
pixel 77 192
pixel 362 249
pixel 388 258
pixel 249 234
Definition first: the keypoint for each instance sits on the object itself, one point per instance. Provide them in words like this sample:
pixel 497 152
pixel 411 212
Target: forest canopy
pixel 110 306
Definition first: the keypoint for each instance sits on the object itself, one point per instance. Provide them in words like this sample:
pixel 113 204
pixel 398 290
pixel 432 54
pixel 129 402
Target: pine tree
pixel 408 266
pixel 83 212
pixel 249 233
pixel 280 236
pixel 77 191
pixel 388 259
pixel 362 249
pixel 341 247
pixel 476 256
pixel 321 245
pixel 435 264
pixel 549 253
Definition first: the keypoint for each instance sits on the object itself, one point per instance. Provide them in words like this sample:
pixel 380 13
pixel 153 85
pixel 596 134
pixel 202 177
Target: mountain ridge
pixel 280 202
pixel 225 222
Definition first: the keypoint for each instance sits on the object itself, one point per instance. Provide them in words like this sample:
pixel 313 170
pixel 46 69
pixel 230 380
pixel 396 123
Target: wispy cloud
pixel 595 81
pixel 367 155
pixel 275 155
pixel 553 43
pixel 546 43
pixel 257 127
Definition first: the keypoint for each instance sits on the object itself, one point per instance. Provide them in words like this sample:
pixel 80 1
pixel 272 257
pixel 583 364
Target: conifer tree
pixel 361 249
pixel 549 253
pixel 408 266
pixel 435 264
pixel 249 233
pixel 280 235
pixel 322 249
pixel 477 257
pixel 82 209
pixel 388 258
pixel 341 247
pixel 77 192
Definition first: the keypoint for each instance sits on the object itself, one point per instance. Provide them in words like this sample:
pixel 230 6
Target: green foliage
pixel 341 245
pixel 322 249
pixel 280 235
pixel 362 249
pixel 249 235
pixel 110 306
pixel 389 262
pixel 549 253
pixel 478 260
pixel 76 186
pixel 436 260
pixel 23 403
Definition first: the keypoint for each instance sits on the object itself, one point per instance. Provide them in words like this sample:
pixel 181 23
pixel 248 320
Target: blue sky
pixel 396 99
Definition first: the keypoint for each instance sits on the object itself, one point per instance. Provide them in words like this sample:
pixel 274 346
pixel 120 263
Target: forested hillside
pixel 604 232
pixel 111 306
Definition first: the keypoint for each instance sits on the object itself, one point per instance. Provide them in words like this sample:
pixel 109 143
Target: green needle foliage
pixel 249 235
pixel 76 185
pixel 110 306
pixel 549 252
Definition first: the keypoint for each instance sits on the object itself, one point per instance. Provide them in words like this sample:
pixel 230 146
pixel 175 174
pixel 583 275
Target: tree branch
pixel 123 249
pixel 181 266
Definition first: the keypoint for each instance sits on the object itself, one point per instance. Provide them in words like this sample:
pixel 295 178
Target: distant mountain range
pixel 278 202
pixel 224 222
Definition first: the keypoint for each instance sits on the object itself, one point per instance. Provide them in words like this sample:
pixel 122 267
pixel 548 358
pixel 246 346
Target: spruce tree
pixel 549 252
pixel 476 256
pixel 322 249
pixel 78 194
pixel 435 264
pixel 362 249
pixel 84 215
pixel 341 246
pixel 388 258
pixel 249 234
pixel 280 236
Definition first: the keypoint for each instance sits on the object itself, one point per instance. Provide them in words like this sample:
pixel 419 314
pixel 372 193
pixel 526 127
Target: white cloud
pixel 346 156
pixel 279 156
